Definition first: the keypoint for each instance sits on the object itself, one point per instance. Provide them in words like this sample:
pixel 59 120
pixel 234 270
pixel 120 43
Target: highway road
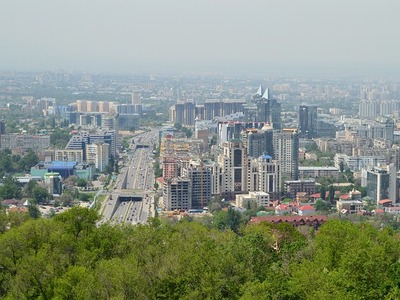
pixel 135 183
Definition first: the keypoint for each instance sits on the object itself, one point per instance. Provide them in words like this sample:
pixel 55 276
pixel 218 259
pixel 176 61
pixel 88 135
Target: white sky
pixel 190 35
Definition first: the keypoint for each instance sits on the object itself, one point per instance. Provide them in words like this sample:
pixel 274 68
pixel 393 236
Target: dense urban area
pixel 145 186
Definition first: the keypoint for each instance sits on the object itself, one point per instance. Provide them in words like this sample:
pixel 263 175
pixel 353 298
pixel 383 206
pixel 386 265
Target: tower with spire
pixel 268 108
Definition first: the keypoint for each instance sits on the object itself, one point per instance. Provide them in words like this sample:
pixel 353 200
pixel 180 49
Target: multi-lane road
pixel 131 199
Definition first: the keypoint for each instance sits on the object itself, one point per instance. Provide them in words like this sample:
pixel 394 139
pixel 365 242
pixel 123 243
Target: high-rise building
pixel 200 178
pixel 177 194
pixel 268 109
pixel 368 108
pixel 258 141
pixel 382 183
pixel 184 112
pixel 286 150
pixel 98 155
pixel 136 98
pixel 104 106
pixel 170 167
pixel 81 106
pixel 232 130
pixel 92 106
pixel 108 122
pixel 80 140
pixel 128 121
pixel 219 108
pixel 234 163
pixel 307 121
pixel 268 176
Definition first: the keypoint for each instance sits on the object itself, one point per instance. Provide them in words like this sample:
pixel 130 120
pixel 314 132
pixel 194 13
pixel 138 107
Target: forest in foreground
pixel 68 257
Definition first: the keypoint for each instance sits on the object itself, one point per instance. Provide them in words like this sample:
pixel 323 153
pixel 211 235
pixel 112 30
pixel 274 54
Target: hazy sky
pixel 205 35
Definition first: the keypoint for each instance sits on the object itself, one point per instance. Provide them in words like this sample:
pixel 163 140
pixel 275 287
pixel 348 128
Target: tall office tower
pixel 234 163
pixel 136 98
pixel 170 167
pixel 258 141
pixel 307 121
pixel 98 154
pixel 200 178
pixel 368 109
pixel 382 183
pixel 268 176
pixel 104 106
pixel 177 194
pixel 107 136
pixel 286 150
pixel 268 109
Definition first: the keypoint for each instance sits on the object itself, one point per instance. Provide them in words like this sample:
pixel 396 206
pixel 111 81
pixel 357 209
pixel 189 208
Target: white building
pixel 258 197
pixel 98 154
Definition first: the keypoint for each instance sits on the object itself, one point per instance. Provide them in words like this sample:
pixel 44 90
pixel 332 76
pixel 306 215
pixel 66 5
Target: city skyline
pixel 199 36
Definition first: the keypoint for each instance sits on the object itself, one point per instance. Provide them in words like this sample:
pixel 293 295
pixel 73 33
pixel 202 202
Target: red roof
pixel 307 207
pixel 384 201
pixel 283 206
pixel 344 197
pixel 289 219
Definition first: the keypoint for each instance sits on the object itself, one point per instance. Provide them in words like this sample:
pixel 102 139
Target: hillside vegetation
pixel 68 257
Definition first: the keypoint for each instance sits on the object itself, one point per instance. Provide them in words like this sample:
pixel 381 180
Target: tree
pixel 323 192
pixel 331 193
pixel 81 183
pixel 178 126
pixel 28 191
pixel 59 137
pixel 40 195
pixel 321 205
pixel 10 189
pixel 33 211
pixel 228 219
pixel 78 221
pixel 28 161
pixel 83 197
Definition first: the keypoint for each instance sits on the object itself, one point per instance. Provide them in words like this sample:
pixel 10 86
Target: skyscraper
pixel 307 121
pixel 287 152
pixel 268 109
pixel 233 161
pixel 258 141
